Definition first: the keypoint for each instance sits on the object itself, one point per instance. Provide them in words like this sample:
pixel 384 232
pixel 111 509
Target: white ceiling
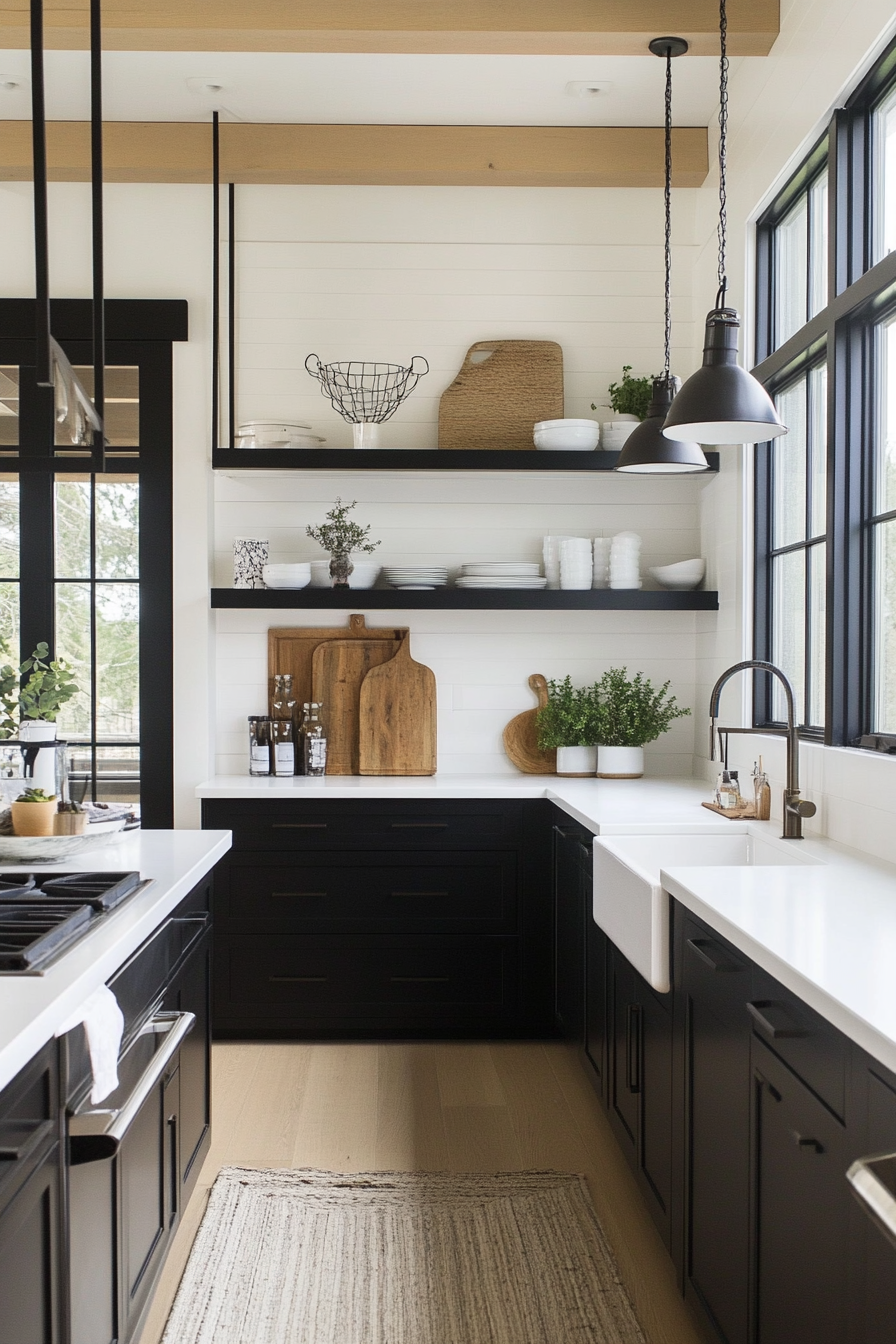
pixel 355 88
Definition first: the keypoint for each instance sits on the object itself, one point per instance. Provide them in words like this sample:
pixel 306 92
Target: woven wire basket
pixel 364 392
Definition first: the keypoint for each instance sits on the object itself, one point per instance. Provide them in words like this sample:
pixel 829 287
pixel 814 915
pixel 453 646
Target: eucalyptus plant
pixel 339 535
pixel 49 686
pixel 631 711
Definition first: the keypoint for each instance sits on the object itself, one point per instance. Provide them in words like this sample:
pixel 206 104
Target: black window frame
pixel 138 332
pixel 861 294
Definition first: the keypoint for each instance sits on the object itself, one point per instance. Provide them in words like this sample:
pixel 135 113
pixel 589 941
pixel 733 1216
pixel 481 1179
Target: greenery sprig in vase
pixel 340 537
pixel 50 685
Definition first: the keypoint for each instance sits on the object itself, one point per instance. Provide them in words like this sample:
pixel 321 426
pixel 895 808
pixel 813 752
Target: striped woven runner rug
pixel 318 1257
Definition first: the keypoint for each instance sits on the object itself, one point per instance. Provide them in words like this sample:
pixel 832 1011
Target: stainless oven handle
pixel 876 1199
pixel 88 1145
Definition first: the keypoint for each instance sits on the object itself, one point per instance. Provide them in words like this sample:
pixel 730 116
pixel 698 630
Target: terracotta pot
pixel 33 818
pixel 620 762
pixel 70 823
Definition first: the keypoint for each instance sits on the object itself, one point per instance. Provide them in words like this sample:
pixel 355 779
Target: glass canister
pixel 314 742
pixel 259 744
pixel 283 749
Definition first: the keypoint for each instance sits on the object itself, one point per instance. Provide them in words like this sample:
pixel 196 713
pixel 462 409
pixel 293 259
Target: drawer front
pixel 361 982
pixel 713 973
pixel 815 1050
pixel 409 825
pixel 369 893
pixel 29 1119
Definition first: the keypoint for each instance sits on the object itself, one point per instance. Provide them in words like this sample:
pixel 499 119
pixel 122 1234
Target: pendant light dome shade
pixel 721 402
pixel 648 452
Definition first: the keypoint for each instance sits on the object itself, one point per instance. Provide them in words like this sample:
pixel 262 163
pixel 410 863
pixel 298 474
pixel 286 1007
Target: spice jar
pixel 314 743
pixel 259 744
pixel 283 749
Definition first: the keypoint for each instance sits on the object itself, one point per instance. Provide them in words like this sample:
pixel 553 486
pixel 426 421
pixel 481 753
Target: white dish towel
pixel 104 1024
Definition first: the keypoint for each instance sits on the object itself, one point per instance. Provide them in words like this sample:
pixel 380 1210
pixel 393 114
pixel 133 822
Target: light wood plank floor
pixel 433 1106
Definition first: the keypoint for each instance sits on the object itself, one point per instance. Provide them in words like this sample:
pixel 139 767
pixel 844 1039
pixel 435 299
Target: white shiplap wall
pixel 387 273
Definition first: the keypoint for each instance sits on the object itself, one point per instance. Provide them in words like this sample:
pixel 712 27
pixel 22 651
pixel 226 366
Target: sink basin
pixel 630 904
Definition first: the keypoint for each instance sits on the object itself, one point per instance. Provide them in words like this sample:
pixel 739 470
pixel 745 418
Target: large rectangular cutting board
pixel 291 649
pixel 502 389
pixel 337 669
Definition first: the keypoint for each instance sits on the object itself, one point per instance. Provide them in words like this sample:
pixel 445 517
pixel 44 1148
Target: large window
pixel 85 556
pixel 825 511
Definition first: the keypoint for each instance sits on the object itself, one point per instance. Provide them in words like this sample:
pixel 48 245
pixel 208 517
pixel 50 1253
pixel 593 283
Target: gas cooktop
pixel 41 916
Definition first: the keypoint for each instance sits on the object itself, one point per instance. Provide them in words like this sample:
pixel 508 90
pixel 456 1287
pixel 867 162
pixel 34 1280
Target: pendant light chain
pixel 667 197
pixel 723 148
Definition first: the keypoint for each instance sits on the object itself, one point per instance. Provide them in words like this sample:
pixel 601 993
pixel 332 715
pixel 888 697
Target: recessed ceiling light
pixel 587 88
pixel 205 84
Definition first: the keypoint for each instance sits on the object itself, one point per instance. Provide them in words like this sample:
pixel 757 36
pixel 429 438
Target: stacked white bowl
pixel 576 564
pixel 551 552
pixel 625 560
pixel 559 436
pixel 364 574
pixel 615 432
pixel 601 576
pixel 286 576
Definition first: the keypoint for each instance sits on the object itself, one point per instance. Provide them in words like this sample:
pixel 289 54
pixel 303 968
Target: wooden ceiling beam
pixel 513 27
pixel 511 156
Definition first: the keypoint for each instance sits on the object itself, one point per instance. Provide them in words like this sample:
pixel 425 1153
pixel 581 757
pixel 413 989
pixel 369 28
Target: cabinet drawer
pixel 369 893
pixel 815 1050
pixel 356 981
pixel 29 1119
pixel 408 825
pixel 712 971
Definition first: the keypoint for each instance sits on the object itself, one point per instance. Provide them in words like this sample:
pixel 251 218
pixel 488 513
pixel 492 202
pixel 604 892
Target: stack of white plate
pixel 416 576
pixel 501 574
pixel 276 434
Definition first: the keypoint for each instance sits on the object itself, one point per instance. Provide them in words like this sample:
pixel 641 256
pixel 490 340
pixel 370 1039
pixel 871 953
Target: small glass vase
pixel 341 568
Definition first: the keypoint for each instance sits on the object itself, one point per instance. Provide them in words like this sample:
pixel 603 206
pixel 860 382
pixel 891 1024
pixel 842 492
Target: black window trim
pixel 860 296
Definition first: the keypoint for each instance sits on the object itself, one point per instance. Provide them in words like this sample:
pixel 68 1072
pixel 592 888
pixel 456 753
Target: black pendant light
pixel 722 402
pixel 647 451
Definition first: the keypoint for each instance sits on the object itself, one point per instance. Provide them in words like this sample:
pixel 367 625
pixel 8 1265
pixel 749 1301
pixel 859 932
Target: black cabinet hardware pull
pixel 419 979
pixel 698 947
pixel 418 893
pixel 807 1145
pixel 771 1019
pixel 31 1136
pixel 632 1047
pixel 298 893
pixel 298 979
pixel 419 825
pixel 299 825
pixel 565 831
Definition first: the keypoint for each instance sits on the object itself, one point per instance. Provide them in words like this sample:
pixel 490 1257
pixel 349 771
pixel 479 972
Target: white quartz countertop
pixel 33 1007
pixel 827 932
pixel 605 806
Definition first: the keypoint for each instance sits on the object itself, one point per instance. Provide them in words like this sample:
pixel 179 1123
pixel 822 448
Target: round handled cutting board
pixel 521 736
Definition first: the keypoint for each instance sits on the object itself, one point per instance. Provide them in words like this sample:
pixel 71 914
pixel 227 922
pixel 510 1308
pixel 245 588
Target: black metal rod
pixel 231 312
pixel 216 272
pixel 96 190
pixel 39 158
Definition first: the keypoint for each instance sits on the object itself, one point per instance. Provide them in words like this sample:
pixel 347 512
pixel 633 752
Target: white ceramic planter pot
pixel 576 762
pixel 42 773
pixel 620 762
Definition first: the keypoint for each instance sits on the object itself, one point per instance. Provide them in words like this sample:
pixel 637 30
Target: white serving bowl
pixel 557 436
pixel 682 576
pixel 286 576
pixel 364 574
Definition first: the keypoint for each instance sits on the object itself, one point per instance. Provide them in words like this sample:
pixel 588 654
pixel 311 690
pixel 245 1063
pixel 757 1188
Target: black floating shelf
pixel 414 459
pixel 463 599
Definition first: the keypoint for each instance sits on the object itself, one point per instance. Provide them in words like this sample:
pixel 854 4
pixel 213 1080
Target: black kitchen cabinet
pixel 873 1259
pixel 713 1053
pixel 800 1212
pixel 570 913
pixel 596 944
pixel 191 993
pixel 377 919
pixel 31 1279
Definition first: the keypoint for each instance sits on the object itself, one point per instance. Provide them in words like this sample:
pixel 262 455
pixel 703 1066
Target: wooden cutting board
pixel 291 649
pixel 338 667
pixel 521 736
pixel 502 389
pixel 398 717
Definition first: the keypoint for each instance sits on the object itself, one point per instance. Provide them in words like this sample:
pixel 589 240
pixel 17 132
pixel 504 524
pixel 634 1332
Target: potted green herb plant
pixel 630 711
pixel 34 812
pixel 629 401
pixel 568 722
pixel 340 537
pixel 29 708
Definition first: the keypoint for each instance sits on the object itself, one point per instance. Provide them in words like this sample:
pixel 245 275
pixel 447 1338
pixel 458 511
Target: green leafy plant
pixel 339 535
pixel 569 719
pixel 50 686
pixel 631 710
pixel 9 696
pixel 631 396
pixel 36 796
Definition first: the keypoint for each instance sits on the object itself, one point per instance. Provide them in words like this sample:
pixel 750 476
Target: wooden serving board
pixel 502 389
pixel 291 649
pixel 338 667
pixel 521 736
pixel 398 717
pixel 745 813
